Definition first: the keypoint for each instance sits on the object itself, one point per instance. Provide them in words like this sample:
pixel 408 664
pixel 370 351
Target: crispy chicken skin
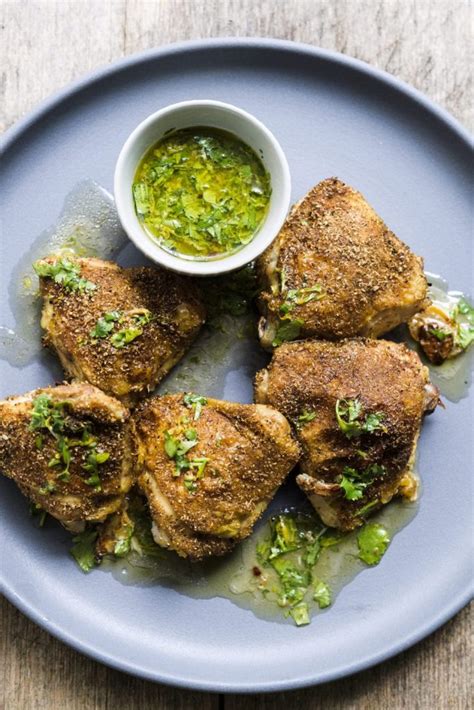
pixel 248 449
pixel 132 370
pixel 387 379
pixel 368 280
pixel 92 423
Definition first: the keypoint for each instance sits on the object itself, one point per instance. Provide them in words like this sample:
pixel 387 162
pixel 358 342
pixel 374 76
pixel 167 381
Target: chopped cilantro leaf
pixel 300 614
pixel 65 273
pixel 465 308
pixel 463 316
pixel 372 541
pixel 354 482
pixel 127 335
pixel 95 459
pixel 438 333
pixel 285 535
pixel 299 297
pixel 124 540
pixel 171 445
pixel 465 336
pixel 104 325
pixel 287 330
pixel 49 487
pixel 176 448
pixel 122 547
pixel 304 418
pixel 199 464
pixel 196 402
pixel 353 490
pixel 322 594
pixel 83 549
pixel 295 580
pixel 349 419
pixel 312 552
pixel 142 197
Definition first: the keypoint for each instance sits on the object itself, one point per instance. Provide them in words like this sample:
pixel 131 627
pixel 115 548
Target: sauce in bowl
pixel 201 193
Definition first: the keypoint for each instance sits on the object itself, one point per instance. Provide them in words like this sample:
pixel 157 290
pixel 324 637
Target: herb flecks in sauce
pixel 331 557
pixel 201 193
pixel 463 315
pixel 288 556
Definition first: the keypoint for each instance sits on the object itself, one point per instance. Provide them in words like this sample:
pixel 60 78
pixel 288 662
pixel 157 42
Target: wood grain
pixel 45 44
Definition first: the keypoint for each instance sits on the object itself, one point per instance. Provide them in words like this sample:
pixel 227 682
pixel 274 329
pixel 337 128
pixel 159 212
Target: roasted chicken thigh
pixel 119 329
pixel 336 271
pixel 68 448
pixel 357 408
pixel 209 469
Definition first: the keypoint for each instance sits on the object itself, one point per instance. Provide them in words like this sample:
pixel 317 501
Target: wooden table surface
pixel 47 43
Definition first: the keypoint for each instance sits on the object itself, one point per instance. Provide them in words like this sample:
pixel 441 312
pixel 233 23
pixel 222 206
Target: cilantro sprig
pixel 349 415
pixel 353 482
pixel 65 273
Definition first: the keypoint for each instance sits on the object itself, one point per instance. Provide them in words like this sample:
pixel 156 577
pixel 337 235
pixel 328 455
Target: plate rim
pixel 15 132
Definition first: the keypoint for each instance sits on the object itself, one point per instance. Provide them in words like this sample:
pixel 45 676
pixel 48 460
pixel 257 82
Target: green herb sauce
pixel 289 570
pixel 201 192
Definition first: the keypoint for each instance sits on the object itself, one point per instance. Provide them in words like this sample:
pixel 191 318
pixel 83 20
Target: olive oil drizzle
pixel 87 226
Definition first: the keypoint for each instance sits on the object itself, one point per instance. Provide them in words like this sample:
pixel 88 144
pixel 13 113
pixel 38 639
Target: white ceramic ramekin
pixel 216 115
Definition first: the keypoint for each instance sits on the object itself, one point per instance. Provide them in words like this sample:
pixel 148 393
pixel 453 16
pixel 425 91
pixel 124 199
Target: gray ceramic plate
pixel 333 116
